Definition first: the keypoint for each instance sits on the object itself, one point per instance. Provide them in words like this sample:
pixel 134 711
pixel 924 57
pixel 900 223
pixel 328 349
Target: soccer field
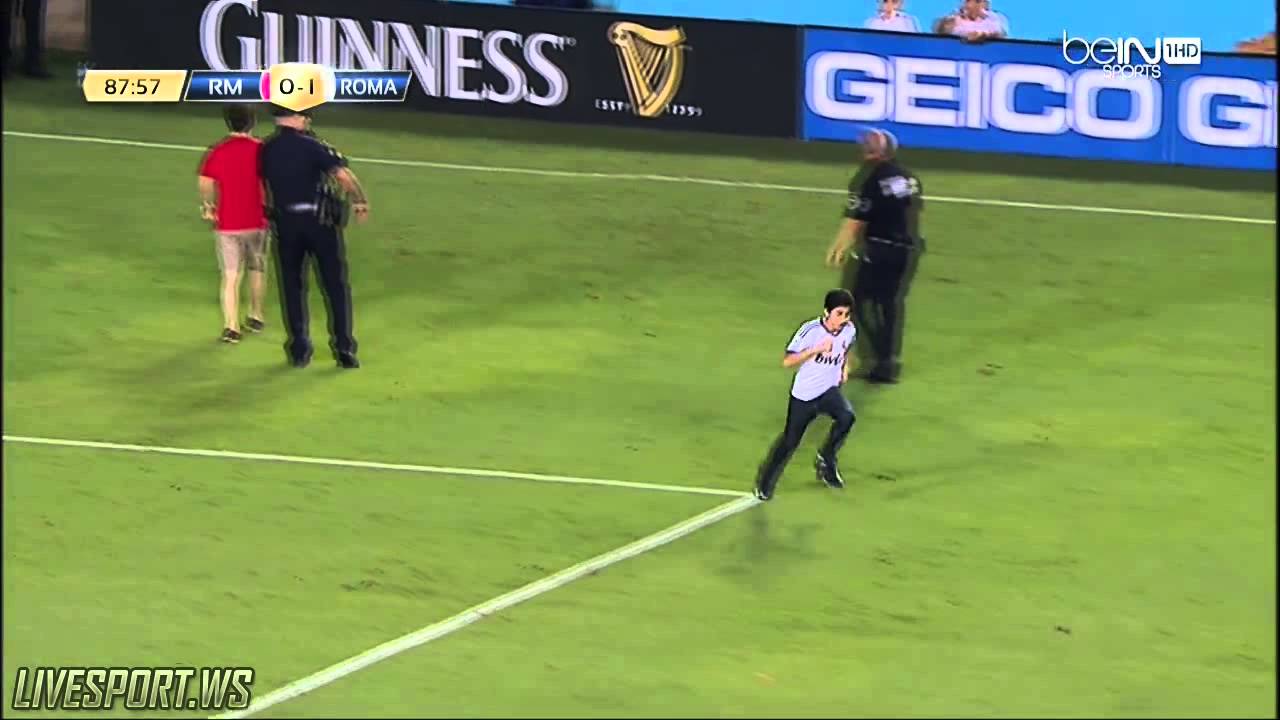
pixel 1066 509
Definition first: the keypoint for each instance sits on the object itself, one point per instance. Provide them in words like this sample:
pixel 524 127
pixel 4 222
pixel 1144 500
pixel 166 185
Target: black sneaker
pixel 347 361
pixel 828 473
pixel 230 336
pixel 761 495
pixel 254 324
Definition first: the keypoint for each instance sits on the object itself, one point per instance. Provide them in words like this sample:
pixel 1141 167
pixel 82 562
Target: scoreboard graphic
pixel 295 86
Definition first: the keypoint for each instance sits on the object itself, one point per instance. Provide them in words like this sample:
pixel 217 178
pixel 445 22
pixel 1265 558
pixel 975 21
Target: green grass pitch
pixel 1066 509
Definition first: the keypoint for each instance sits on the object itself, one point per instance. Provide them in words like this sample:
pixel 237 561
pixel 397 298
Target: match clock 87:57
pixel 134 85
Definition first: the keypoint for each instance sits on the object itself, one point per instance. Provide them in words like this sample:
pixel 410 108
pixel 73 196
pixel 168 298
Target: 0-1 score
pixel 298 86
pixel 287 86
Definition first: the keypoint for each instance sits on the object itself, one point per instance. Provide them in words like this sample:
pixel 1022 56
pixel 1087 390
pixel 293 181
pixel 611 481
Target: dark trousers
pixel 880 283
pixel 800 414
pixel 299 239
pixel 33 20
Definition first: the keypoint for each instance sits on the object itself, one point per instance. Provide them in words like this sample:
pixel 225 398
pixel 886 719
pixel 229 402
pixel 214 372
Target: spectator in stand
pixel 890 16
pixel 971 22
pixel 1001 21
pixel 1265 45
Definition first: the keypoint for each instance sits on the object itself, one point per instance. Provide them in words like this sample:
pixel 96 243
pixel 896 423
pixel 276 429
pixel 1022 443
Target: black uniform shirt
pixel 888 198
pixel 297 167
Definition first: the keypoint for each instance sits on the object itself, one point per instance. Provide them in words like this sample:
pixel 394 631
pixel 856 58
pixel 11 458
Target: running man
pixel 821 349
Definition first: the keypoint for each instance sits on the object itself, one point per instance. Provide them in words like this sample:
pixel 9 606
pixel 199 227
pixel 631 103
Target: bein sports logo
pixel 1118 56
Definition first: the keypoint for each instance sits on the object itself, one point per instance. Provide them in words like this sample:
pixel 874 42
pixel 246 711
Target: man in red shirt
pixel 234 199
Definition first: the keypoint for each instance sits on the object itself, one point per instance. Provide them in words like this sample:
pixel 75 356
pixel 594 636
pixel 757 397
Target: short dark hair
pixel 838 298
pixel 240 118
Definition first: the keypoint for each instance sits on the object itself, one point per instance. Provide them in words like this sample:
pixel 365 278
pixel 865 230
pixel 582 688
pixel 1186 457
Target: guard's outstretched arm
pixel 351 184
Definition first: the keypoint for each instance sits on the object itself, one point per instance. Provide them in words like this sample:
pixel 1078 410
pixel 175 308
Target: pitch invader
pixel 820 348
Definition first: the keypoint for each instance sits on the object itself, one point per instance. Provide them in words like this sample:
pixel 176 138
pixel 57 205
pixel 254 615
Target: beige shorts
pixel 247 247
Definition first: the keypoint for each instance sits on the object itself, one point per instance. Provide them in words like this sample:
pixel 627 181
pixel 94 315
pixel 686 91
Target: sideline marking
pixel 681 179
pixel 331 462
pixel 485 609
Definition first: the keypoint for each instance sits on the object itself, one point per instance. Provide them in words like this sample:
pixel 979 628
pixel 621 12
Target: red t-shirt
pixel 234 163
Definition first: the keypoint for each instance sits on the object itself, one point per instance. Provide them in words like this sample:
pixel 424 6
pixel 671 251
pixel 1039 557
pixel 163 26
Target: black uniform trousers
pixel 298 238
pixel 800 414
pixel 33 20
pixel 880 283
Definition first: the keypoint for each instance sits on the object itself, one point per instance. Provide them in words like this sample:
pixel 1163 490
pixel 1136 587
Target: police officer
pixel 311 193
pixel 883 211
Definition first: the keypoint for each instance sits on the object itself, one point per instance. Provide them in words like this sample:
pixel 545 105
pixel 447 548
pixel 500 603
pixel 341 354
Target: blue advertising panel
pixel 1035 99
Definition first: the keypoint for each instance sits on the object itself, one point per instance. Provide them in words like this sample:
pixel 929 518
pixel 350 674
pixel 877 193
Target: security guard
pixel 306 180
pixel 885 200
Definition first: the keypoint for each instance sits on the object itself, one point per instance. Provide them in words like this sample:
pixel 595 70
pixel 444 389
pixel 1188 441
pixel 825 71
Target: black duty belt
pixel 893 243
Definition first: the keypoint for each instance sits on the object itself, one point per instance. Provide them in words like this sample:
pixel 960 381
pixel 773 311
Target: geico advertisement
pixel 1079 98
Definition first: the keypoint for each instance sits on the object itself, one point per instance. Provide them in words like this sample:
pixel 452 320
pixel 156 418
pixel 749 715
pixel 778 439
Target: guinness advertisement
pixel 571 66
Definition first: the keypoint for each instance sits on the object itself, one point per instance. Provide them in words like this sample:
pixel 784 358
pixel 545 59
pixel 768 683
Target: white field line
pixel 331 462
pixel 485 609
pixel 640 177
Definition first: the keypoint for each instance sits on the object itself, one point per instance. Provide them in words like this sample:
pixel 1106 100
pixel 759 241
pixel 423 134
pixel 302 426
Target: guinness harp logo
pixel 652 63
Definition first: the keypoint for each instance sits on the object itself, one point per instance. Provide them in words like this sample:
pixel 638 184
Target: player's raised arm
pixel 808 342
pixel 792 358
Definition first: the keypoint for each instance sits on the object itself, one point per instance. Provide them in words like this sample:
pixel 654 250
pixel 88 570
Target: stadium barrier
pixel 727 77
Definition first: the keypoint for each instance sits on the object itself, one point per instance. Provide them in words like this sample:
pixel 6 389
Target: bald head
pixel 878 145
